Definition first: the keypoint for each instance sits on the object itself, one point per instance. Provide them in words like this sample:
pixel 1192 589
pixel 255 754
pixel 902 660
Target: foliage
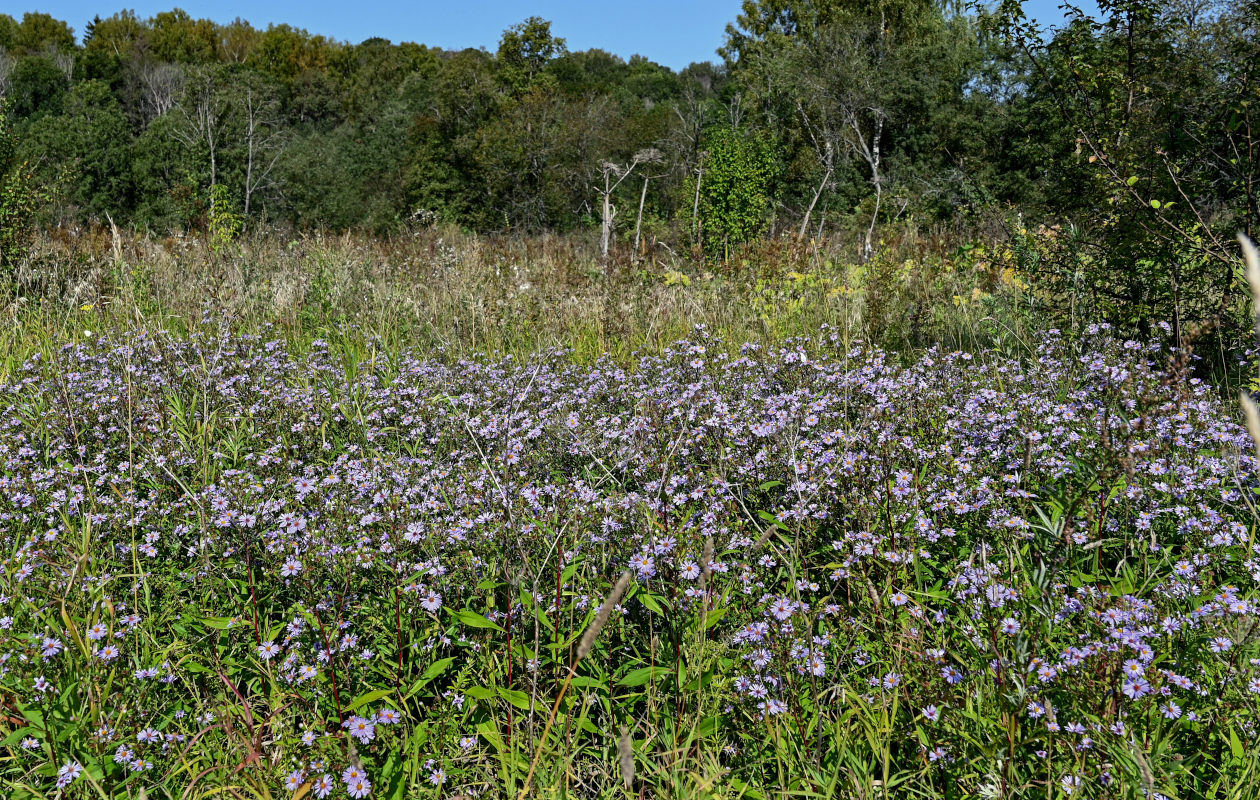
pixel 829 124
pixel 36 86
pixel 1143 91
pixel 224 223
pixel 734 184
pixel 37 33
pixel 90 139
pixel 525 51
pixel 19 199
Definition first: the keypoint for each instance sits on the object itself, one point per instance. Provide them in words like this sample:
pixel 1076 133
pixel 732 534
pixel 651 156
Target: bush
pixel 18 199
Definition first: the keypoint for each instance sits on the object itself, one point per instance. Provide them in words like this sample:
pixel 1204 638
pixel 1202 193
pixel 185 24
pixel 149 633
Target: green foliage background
pixel 1128 133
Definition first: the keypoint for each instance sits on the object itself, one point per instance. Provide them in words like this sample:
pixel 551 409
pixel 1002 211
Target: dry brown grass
pixel 442 288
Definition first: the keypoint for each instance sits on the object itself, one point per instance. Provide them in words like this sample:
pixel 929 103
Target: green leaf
pixel 218 623
pixel 474 620
pixel 588 726
pixel 651 603
pixel 18 735
pixel 1235 745
pixel 745 790
pixel 369 697
pixel 641 676
pixel 480 693
pixel 1155 204
pixel 515 697
pixel 34 716
pixel 1132 180
pixel 436 668
pixel 490 732
pixel 709 725
pixel 714 617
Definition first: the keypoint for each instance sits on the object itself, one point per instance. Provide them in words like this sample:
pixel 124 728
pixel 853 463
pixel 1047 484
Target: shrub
pixel 18 199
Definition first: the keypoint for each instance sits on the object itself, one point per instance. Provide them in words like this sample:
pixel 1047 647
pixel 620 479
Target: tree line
pixel 1128 131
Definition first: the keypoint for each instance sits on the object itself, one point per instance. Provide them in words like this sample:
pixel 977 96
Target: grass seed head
pixel 625 756
pixel 706 563
pixel 601 617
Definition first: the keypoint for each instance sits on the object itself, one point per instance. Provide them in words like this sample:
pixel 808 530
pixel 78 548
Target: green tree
pixel 322 180
pixel 525 51
pixel 1151 108
pixel 36 86
pixel 175 36
pixel 18 199
pixel 123 34
pixel 8 32
pixel 90 140
pixel 733 188
pixel 237 41
pixel 39 32
pixel 371 74
pixel 538 156
pixel 284 52
pixel 167 177
pixel 881 94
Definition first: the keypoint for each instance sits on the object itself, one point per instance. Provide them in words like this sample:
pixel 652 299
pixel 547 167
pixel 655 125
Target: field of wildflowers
pixel 239 567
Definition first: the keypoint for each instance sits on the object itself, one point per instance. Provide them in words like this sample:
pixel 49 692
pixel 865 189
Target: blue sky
pixel 671 33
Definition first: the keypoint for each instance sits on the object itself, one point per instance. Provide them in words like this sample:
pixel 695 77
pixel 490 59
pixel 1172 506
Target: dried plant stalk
pixel 601 618
pixel 584 647
pixel 706 563
pixel 1251 258
pixel 625 756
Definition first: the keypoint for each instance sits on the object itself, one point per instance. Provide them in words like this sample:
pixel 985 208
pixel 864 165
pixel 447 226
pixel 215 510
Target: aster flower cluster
pixel 219 547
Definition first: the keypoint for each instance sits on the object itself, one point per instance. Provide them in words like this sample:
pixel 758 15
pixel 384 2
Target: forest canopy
pixel 1130 129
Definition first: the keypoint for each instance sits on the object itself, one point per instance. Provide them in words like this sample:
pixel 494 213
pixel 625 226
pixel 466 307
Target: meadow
pixel 446 517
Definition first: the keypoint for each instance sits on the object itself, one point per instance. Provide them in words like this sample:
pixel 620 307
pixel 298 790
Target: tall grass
pixel 446 291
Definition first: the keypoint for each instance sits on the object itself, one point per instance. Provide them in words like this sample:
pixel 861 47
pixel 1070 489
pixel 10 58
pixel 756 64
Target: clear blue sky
pixel 671 32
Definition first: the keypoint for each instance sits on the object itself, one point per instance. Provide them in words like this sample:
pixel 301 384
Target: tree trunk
pixel 812 203
pixel 879 187
pixel 249 168
pixel 695 207
pixel 638 222
pixel 213 177
pixel 607 213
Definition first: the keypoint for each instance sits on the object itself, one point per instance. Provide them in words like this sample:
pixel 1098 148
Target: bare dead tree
pixel 638 222
pixel 614 175
pixel 203 116
pixel 843 105
pixel 161 85
pixel 823 142
pixel 62 60
pixel 6 70
pixel 865 141
pixel 735 111
pixel 265 138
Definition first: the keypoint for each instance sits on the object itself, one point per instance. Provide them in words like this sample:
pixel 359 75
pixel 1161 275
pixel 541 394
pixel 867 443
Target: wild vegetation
pixel 831 124
pixel 240 568
pixel 853 418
